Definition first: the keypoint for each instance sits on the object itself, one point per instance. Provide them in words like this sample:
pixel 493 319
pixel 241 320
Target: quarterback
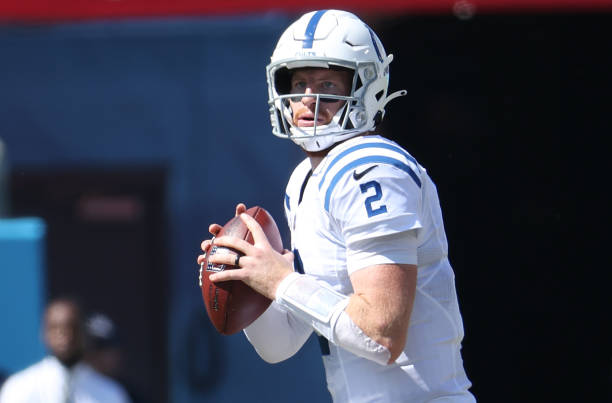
pixel 368 271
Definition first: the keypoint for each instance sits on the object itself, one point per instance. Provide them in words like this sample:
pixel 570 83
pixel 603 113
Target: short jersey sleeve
pixel 372 188
pixel 384 201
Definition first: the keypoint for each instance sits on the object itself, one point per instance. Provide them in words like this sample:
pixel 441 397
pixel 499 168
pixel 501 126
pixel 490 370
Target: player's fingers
pixel 259 236
pixel 240 208
pixel 201 258
pixel 226 275
pixel 228 259
pixel 214 228
pixel 238 244
pixel 288 255
pixel 205 245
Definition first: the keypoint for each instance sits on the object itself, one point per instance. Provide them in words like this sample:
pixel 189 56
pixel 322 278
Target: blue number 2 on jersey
pixel 375 197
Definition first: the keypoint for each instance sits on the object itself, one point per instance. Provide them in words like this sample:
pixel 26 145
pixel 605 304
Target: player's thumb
pixel 288 255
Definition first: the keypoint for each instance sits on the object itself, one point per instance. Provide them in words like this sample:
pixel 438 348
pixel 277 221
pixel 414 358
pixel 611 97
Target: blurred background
pixel 126 127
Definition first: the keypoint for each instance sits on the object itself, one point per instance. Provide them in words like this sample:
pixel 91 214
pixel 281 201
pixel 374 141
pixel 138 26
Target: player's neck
pixel 316 157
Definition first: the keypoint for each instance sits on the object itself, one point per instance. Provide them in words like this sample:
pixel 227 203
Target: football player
pixel 369 270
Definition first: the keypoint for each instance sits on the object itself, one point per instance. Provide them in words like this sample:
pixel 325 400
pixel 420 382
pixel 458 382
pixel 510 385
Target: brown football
pixel 233 305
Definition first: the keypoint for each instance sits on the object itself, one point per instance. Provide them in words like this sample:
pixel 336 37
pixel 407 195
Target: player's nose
pixel 306 100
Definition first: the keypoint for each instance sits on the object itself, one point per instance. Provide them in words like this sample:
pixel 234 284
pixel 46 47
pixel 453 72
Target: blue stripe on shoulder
pixel 367 145
pixel 368 160
pixel 311 28
pixel 287 202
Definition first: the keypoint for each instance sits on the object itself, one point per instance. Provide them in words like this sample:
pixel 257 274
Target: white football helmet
pixel 330 39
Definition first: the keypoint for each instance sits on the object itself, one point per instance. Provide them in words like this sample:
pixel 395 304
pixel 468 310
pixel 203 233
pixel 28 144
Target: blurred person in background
pixel 104 351
pixel 62 376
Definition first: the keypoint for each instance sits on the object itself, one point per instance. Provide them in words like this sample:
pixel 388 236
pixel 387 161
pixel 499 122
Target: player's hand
pixel 261 267
pixel 214 230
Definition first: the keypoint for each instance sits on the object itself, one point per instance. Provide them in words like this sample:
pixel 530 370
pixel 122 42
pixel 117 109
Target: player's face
pixel 318 81
pixel 63 331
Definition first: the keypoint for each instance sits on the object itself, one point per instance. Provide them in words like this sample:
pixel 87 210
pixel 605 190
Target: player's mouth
pixel 307 120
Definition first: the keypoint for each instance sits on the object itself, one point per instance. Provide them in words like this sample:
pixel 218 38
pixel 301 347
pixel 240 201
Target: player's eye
pixel 298 87
pixel 328 85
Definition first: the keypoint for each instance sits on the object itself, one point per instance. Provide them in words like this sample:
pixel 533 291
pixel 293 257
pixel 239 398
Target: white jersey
pixel 366 188
pixel 48 381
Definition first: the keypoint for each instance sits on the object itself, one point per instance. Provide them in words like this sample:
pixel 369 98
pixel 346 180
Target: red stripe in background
pixel 56 10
